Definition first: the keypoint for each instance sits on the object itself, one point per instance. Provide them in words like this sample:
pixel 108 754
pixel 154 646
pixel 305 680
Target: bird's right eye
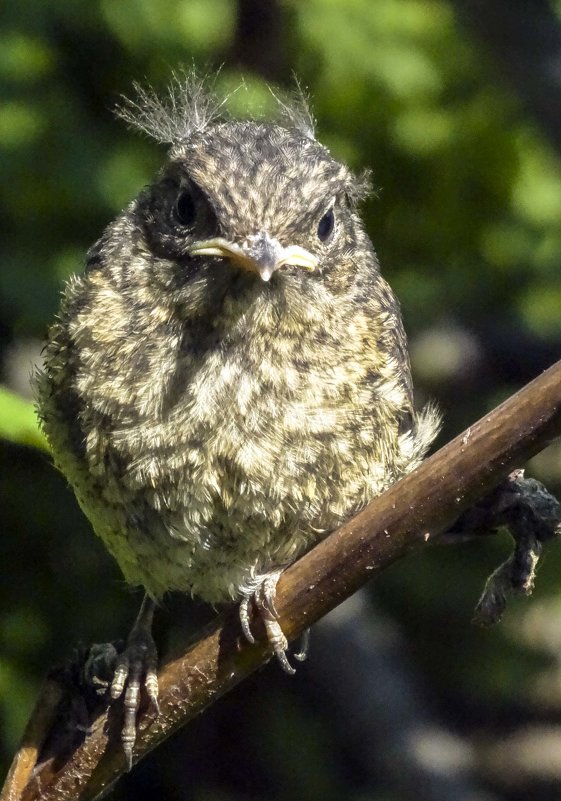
pixel 326 226
pixel 185 209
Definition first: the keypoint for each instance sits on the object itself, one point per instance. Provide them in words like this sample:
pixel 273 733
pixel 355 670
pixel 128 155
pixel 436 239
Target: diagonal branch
pixel 412 512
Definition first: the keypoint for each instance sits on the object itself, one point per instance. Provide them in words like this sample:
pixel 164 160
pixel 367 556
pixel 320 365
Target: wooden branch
pixel 412 512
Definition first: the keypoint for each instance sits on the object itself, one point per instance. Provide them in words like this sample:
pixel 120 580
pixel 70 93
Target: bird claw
pixel 302 654
pixel 136 667
pixel 264 598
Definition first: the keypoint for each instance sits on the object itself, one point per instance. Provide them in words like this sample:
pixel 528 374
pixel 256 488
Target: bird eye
pixel 326 226
pixel 185 210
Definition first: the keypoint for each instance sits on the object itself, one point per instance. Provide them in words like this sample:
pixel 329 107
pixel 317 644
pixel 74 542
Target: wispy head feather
pixel 295 111
pixel 188 107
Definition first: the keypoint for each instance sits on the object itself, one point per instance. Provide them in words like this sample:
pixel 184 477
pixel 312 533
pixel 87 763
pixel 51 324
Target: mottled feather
pixel 212 424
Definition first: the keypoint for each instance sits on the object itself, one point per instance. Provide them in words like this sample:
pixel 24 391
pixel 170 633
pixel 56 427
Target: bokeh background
pixel 456 108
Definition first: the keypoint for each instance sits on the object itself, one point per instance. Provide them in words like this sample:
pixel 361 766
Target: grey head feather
pixel 190 106
pixel 295 112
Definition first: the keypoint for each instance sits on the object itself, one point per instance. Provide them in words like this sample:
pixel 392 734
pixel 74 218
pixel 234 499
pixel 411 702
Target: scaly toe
pixel 278 642
pixel 136 667
pixel 264 598
pixel 244 620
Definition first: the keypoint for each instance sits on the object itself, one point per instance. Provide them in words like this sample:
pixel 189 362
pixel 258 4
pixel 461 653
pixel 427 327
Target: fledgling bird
pixel 228 381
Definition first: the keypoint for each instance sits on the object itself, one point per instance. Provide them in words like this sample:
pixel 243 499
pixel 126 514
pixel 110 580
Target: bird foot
pixel 136 667
pixel 264 599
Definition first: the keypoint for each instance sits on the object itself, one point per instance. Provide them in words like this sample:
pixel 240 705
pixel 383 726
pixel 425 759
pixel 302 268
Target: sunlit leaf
pixel 18 421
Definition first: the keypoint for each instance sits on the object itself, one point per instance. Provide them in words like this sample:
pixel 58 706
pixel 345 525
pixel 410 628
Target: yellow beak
pixel 259 253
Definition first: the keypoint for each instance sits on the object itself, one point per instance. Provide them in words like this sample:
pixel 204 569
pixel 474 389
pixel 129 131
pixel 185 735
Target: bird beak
pixel 259 254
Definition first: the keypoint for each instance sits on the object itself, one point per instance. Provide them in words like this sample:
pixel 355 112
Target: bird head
pixel 247 208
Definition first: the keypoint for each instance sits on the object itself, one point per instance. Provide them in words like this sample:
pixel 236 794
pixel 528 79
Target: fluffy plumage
pixel 215 424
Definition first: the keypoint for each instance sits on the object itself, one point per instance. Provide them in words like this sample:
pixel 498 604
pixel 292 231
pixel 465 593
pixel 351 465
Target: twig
pixel 410 513
pixel 33 740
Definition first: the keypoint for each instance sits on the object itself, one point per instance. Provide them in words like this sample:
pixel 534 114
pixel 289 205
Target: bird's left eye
pixel 326 226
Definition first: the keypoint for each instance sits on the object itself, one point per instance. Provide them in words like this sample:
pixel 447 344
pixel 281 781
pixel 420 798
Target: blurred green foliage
pixel 466 218
pixel 18 421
